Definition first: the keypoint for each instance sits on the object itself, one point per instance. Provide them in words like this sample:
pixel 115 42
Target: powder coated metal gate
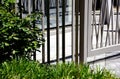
pixel 104 27
pixel 99 28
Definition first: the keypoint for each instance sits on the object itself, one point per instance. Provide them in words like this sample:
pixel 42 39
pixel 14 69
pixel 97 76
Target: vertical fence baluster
pixel 73 31
pixel 57 30
pixel 112 21
pixel 99 23
pixel 94 23
pixel 108 25
pixel 116 41
pixel 48 30
pixel 20 8
pixel 104 13
pixel 33 3
pixel 16 6
pixel 63 29
pixel 118 7
pixel 43 45
pixel 76 30
pixel 29 7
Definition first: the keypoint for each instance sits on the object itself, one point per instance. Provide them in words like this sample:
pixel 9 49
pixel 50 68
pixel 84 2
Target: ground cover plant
pixel 18 36
pixel 26 69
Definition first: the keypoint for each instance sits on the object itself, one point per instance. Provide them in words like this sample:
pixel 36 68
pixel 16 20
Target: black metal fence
pixel 79 37
pixel 38 4
pixel 29 6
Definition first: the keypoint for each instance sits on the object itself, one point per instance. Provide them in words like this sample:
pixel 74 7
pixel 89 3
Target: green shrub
pixel 25 69
pixel 21 69
pixel 18 37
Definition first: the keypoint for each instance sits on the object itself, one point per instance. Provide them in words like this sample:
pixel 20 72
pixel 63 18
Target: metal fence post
pixel 48 29
pixel 29 7
pixel 34 53
pixel 43 27
pixel 73 30
pixel 83 30
pixel 20 8
pixel 63 29
pixel 76 30
pixel 57 30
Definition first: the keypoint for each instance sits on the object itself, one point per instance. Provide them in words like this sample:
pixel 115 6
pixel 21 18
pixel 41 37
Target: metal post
pixel 20 8
pixel 29 6
pixel 76 30
pixel 57 30
pixel 90 28
pixel 73 30
pixel 43 45
pixel 16 6
pixel 83 30
pixel 117 21
pixel 34 53
pixel 63 29
pixel 48 30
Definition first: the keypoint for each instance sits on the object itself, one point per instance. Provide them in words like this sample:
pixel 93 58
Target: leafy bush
pixel 25 69
pixel 21 69
pixel 18 37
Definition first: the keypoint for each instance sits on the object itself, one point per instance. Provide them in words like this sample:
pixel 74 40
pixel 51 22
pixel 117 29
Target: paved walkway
pixel 110 63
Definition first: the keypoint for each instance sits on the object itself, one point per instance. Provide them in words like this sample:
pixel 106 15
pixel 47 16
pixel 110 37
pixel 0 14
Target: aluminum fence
pixel 94 28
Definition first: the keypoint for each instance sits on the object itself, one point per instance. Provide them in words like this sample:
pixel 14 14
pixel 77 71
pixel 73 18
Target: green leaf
pixel 7 44
pixel 14 52
pixel 16 38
